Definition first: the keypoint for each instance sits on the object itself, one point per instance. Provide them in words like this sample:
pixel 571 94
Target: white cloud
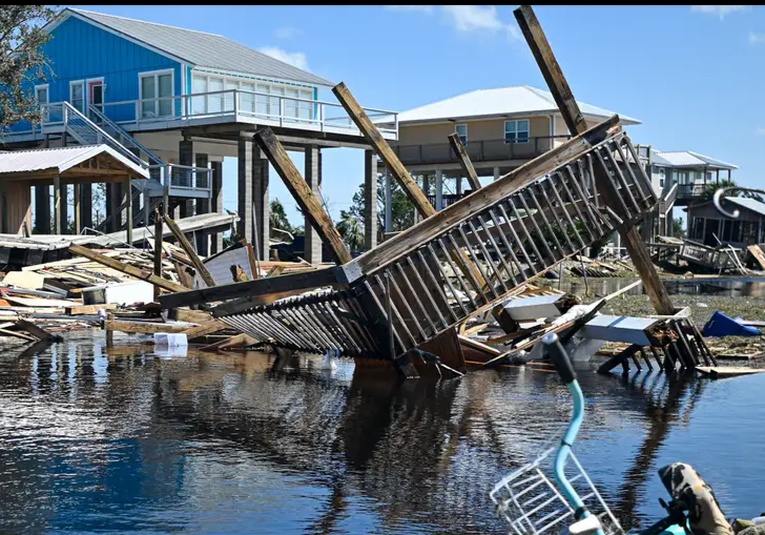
pixel 467 19
pixel 720 11
pixel 287 32
pixel 297 59
pixel 756 38
pixel 422 9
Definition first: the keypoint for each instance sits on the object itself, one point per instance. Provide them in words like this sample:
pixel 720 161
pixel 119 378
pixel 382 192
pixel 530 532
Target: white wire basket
pixel 532 503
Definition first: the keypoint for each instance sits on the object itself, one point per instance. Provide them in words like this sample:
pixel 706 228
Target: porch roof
pixel 201 49
pixel 94 162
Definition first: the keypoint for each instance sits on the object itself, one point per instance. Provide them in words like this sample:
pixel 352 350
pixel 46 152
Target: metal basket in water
pixel 533 504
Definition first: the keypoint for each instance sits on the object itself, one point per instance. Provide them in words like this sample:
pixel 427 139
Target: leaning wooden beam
pixel 143 327
pixel 383 150
pixel 423 232
pixel 302 193
pixel 190 252
pixel 294 283
pixel 572 115
pixel 465 163
pixel 126 269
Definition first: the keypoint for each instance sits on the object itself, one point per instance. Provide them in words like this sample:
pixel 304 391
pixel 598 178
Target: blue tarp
pixel 721 325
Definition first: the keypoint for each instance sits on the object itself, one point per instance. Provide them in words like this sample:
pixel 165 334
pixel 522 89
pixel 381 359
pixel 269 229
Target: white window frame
pixel 45 111
pixel 82 84
pixel 662 177
pixel 464 138
pixel 156 74
pixel 517 130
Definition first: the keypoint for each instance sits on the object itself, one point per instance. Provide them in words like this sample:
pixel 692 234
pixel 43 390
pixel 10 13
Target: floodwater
pixel 125 441
pixel 718 286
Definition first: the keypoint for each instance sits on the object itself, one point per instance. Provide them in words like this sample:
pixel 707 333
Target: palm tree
pixel 709 190
pixel 351 229
pixel 278 218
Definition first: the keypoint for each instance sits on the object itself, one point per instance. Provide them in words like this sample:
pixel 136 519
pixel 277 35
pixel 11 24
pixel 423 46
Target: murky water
pixel 718 286
pixel 134 443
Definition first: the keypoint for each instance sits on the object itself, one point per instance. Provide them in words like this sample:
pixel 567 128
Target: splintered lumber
pixel 238 341
pixel 464 159
pixel 758 255
pixel 125 268
pixel 204 329
pixel 84 310
pixel 190 252
pixel 291 284
pixel 302 192
pixel 727 371
pixel 561 91
pixel 383 150
pixel 143 327
pixel 37 332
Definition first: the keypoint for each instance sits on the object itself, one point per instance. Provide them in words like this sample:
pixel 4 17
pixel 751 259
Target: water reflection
pixel 94 439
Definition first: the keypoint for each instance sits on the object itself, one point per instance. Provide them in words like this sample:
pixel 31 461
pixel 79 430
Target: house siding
pixel 478 130
pixel 79 50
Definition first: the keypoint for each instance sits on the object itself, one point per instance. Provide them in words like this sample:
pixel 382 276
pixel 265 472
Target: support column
pixel 42 209
pixel 245 170
pixel 370 199
pixel 4 206
pixel 86 205
pixel 113 202
pixel 458 185
pixel 439 189
pixel 260 203
pixel 77 206
pixel 56 205
pixel 202 162
pixel 216 202
pixel 186 157
pixel 496 173
pixel 64 209
pixel 129 210
pixel 388 201
pixel 312 247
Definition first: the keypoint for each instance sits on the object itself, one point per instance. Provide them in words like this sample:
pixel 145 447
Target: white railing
pixel 126 139
pixel 183 177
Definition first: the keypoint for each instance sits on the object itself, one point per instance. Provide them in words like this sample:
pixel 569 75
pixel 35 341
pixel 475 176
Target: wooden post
pixel 189 250
pixel 305 198
pixel 569 108
pixel 129 210
pixel 77 208
pixel 157 248
pixel 464 159
pixel 383 149
pixel 57 205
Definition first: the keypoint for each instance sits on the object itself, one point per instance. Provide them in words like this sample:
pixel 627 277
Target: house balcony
pixel 690 193
pixel 219 107
pixel 494 150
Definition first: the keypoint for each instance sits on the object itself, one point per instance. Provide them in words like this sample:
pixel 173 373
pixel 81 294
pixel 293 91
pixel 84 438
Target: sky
pixel 692 74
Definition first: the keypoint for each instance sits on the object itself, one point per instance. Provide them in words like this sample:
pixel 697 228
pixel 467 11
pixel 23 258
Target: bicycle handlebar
pixel 559 357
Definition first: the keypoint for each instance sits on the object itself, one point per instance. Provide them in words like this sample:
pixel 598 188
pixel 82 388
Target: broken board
pixel 721 372
pixel 758 255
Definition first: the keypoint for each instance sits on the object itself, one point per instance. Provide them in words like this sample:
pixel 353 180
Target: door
pixel 96 96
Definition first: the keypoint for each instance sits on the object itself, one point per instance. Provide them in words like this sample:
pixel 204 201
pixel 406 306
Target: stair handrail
pixel 116 145
pixel 153 158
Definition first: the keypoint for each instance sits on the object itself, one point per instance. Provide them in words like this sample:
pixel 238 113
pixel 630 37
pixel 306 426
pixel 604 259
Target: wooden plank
pixel 301 191
pixel 186 280
pixel 527 173
pixel 206 328
pixel 464 159
pixel 556 81
pixel 126 269
pixel 37 332
pixel 757 254
pixel 254 268
pixel 722 372
pixel 84 310
pixel 297 282
pixel 189 250
pixel 158 233
pixel 383 150
pixel 143 327
pixel 6 332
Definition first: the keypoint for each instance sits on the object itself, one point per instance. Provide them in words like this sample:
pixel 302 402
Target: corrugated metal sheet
pixel 204 49
pixel 60 159
pixel 750 204
pixel 492 102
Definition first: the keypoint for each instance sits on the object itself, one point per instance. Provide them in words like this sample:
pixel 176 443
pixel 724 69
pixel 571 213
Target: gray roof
pixel 61 159
pixel 687 158
pixel 750 204
pixel 203 49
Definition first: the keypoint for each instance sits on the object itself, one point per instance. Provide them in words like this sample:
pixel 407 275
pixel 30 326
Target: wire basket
pixel 533 504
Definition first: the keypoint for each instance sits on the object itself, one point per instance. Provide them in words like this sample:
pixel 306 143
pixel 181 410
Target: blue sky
pixel 691 74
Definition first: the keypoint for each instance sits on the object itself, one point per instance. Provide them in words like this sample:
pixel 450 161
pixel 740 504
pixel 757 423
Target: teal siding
pixel 79 50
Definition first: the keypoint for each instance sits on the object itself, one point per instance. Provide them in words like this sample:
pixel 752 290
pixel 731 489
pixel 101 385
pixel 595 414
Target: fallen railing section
pixel 414 287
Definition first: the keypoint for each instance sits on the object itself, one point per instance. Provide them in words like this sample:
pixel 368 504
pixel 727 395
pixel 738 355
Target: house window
pixel 77 95
pixel 461 130
pixel 41 94
pixel 517 131
pixel 661 177
pixel 156 92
